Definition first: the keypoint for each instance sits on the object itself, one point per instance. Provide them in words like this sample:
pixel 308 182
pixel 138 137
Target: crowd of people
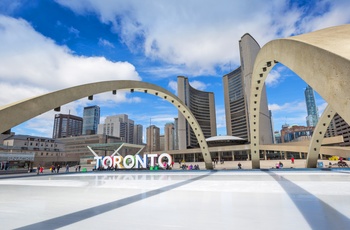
pixel 189 167
pixel 56 168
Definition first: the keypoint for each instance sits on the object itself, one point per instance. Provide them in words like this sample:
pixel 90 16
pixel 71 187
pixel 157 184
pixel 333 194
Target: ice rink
pixel 225 199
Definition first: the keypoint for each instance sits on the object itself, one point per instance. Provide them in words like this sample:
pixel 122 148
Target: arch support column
pixel 318 136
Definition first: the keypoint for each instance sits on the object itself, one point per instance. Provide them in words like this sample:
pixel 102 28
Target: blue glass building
pixel 312 110
pixel 91 119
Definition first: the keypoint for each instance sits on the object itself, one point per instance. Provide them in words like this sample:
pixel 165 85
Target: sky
pixel 48 45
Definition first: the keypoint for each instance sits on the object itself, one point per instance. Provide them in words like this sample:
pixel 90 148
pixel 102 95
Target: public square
pixel 175 199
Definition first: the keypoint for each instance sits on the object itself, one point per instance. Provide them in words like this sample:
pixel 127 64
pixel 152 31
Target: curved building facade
pixel 235 103
pixel 202 105
pixel 237 95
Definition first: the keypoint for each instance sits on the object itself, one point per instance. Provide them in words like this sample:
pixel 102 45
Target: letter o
pixel 104 162
pixel 167 155
pixel 125 160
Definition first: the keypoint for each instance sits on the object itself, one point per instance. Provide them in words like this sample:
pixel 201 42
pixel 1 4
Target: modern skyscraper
pixel 162 142
pixel 91 119
pixel 312 110
pixel 67 125
pixel 169 136
pixel 118 126
pixel 153 138
pixel 237 95
pixel 138 134
pixel 202 105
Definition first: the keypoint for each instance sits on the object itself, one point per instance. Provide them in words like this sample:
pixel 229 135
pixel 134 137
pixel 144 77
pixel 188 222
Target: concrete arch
pixel 18 112
pixel 318 136
pixel 320 58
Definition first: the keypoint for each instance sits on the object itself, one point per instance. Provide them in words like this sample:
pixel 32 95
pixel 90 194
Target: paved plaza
pixel 175 199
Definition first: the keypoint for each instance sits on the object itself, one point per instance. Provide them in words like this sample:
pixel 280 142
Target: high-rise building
pixel 153 138
pixel 67 125
pixel 169 136
pixel 162 142
pixel 138 134
pixel 237 95
pixel 91 119
pixel 118 126
pixel 312 110
pixel 202 106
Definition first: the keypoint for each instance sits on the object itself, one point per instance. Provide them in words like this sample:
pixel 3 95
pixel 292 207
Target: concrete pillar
pixel 194 157
pixel 300 155
pixel 233 155
pixel 321 156
pixel 219 157
pixel 248 158
pixel 265 157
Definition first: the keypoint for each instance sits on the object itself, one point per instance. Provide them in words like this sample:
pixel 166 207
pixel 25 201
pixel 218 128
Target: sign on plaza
pixel 134 161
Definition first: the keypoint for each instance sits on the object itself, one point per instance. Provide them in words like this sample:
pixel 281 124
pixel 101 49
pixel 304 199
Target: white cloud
pixel 273 78
pixel 198 85
pixel 292 107
pixel 335 13
pixel 202 35
pixel 32 64
pixel 104 42
pixel 173 86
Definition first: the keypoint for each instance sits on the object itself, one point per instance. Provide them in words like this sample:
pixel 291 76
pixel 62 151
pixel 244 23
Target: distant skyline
pixel 50 45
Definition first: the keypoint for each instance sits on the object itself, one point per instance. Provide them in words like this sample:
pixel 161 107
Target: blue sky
pixel 50 45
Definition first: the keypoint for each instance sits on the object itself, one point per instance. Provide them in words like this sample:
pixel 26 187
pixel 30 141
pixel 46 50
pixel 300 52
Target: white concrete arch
pixel 18 112
pixel 318 136
pixel 320 58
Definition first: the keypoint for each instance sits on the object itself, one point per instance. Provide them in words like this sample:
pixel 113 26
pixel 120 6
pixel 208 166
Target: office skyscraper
pixel 138 134
pixel 91 119
pixel 118 126
pixel 312 110
pixel 67 125
pixel 169 136
pixel 153 138
pixel 202 105
pixel 237 95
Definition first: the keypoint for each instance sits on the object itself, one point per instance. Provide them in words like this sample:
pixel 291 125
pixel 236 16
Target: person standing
pixel 67 168
pixel 239 165
pixel 292 159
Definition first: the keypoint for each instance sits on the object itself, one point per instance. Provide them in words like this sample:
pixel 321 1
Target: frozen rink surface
pixel 228 199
